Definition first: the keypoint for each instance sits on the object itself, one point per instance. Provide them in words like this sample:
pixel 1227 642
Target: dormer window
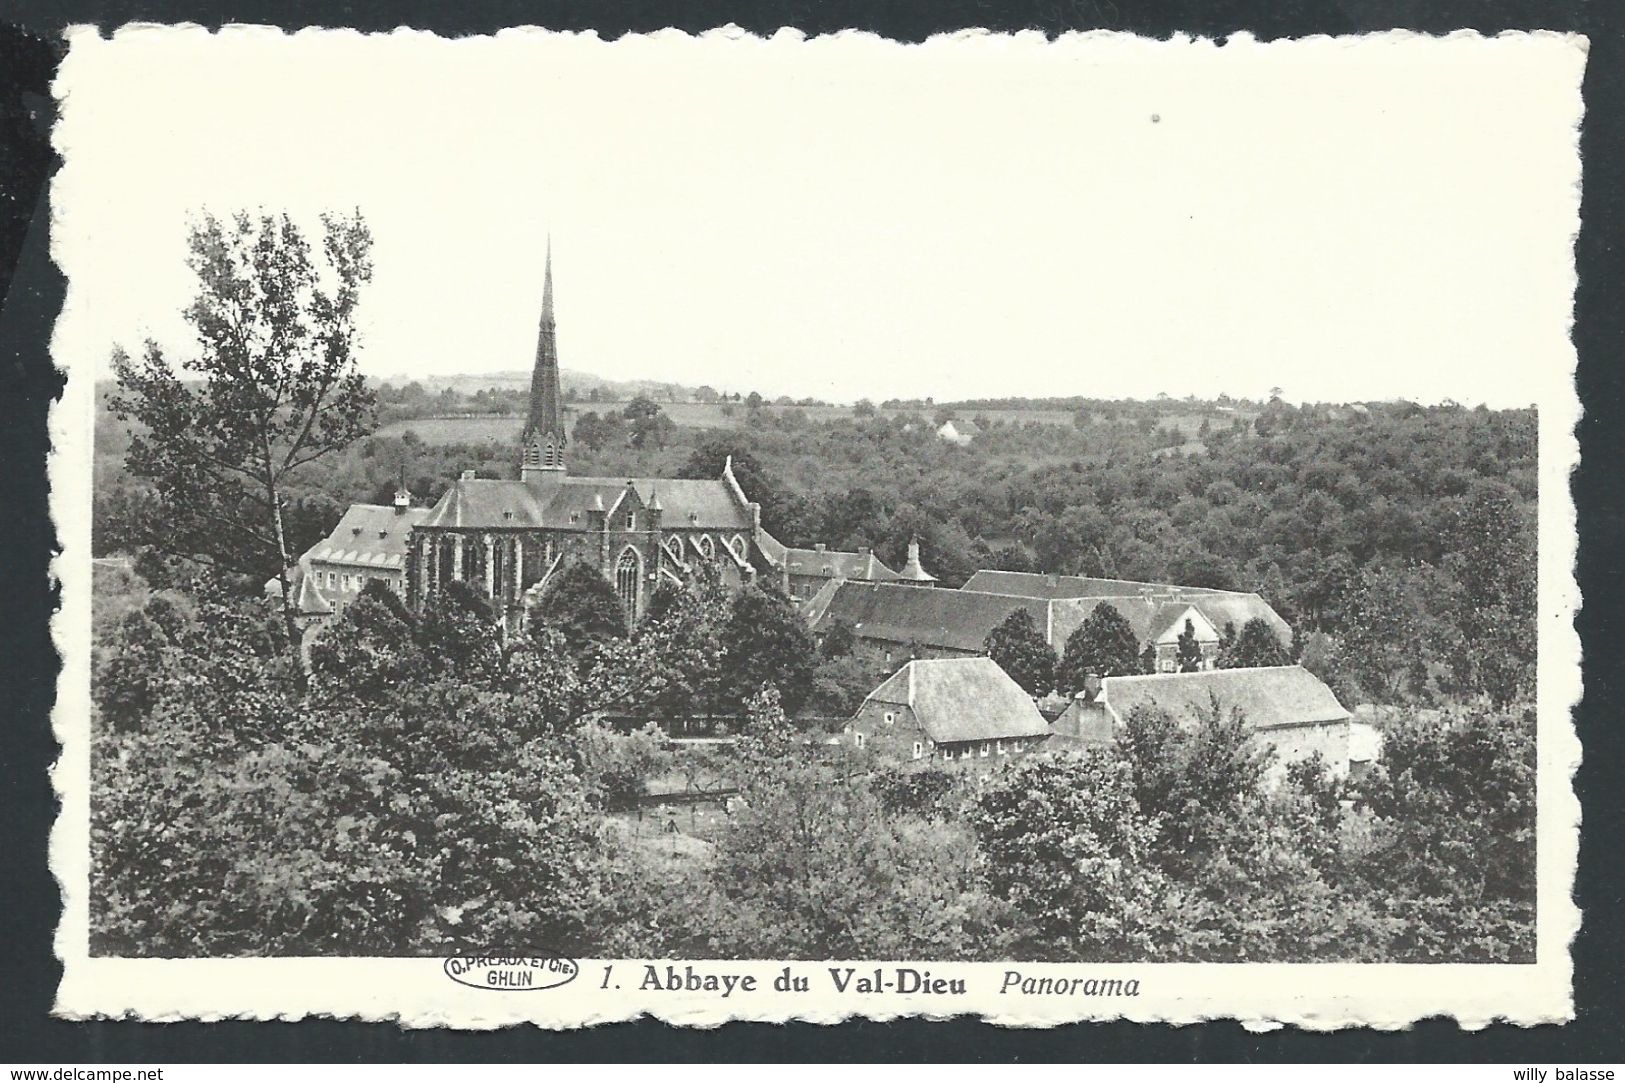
pixel 507 513
pixel 575 517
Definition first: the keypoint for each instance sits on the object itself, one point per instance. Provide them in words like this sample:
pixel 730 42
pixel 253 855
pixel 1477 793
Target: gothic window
pixel 674 546
pixel 628 578
pixel 737 544
pixel 707 550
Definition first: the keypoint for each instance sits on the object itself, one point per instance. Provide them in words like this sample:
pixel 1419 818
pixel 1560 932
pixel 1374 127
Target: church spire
pixel 542 443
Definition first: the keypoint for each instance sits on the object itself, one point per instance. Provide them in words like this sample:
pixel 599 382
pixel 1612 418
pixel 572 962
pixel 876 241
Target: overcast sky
pixel 847 217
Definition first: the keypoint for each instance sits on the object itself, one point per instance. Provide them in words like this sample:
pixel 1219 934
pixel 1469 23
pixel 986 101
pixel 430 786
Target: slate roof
pixel 1034 585
pixel 963 699
pixel 563 503
pixel 837 564
pixel 959 620
pixel 1268 696
pixel 900 613
pixel 369 535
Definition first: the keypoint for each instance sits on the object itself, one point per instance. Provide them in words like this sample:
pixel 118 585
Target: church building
pixel 508 538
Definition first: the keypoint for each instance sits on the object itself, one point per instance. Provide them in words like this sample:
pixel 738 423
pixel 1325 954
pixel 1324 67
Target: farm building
pixel 904 623
pixel 1285 707
pixel 951 710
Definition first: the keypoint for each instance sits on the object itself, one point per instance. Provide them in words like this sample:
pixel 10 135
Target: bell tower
pixel 541 445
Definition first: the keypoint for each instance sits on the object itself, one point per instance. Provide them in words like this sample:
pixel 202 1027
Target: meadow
pixel 504 429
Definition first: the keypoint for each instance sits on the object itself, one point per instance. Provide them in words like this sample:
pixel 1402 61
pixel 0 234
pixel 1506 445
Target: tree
pixel 1069 850
pixel 1021 650
pixel 581 605
pixel 808 841
pixel 838 641
pixel 369 651
pixel 1455 801
pixel 864 409
pixel 1256 646
pixel 590 431
pixel 649 424
pixel 145 666
pixel 764 641
pixel 273 390
pixel 1384 636
pixel 753 402
pixel 1103 645
pixel 1189 652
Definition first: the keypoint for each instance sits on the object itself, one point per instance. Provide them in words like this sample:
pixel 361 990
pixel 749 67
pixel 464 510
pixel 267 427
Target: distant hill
pixel 581 383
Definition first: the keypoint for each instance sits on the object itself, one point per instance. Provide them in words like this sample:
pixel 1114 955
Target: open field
pixel 694 415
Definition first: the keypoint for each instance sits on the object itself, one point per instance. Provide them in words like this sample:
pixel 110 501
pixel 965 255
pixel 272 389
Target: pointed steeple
pixel 542 443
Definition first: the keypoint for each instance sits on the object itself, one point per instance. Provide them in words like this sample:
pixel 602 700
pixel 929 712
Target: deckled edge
pixel 70 468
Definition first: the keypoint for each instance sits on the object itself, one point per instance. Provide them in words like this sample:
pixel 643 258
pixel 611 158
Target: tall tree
pixel 272 389
pixel 582 606
pixel 764 641
pixel 1104 645
pixel 1256 646
pixel 1189 651
pixel 1021 650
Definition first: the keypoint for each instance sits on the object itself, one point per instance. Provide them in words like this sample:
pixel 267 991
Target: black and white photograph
pixel 803 528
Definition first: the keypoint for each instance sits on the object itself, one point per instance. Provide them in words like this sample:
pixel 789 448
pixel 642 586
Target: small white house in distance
pixel 948 709
pixel 1285 707
pixel 958 431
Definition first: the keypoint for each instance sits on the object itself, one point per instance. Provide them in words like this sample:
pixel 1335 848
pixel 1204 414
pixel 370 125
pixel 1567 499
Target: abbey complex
pixel 508 538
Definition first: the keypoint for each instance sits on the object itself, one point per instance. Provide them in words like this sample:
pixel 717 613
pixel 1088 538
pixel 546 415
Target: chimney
pixel 819 546
pixel 1052 579
pixel 403 500
pixel 1091 688
pixel 863 550
pixel 468 475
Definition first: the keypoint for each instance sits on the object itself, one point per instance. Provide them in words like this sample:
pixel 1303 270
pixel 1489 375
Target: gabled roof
pixel 1168 622
pixel 962 699
pixel 900 613
pixel 836 564
pixel 371 535
pixel 959 620
pixel 1036 585
pixel 564 503
pixel 1267 697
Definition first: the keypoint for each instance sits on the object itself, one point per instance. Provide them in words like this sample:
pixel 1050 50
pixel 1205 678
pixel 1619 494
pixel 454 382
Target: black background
pixel 31 289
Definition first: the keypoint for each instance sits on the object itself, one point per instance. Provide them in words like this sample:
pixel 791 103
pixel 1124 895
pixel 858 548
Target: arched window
pixel 707 550
pixel 737 544
pixel 629 579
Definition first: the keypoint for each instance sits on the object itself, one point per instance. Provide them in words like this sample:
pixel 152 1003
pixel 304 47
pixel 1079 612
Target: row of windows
pixel 353 581
pixel 984 749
